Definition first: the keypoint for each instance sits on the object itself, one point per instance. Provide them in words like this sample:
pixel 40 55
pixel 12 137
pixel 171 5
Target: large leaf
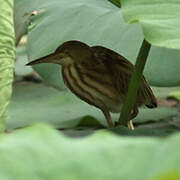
pixel 87 26
pixel 6 56
pixel 94 22
pixel 160 70
pixel 38 103
pixel 160 20
pixel 21 60
pixel 22 15
pixel 39 152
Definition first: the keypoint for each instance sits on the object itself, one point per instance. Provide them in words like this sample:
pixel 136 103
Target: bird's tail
pixel 151 99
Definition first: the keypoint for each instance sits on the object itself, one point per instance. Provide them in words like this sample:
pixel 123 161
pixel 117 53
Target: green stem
pixel 134 83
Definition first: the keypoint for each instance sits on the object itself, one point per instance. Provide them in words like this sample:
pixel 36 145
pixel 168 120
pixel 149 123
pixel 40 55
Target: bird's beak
pixel 52 58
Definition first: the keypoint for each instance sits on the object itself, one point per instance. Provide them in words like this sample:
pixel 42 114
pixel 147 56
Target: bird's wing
pixel 111 58
pixel 118 67
pixel 120 70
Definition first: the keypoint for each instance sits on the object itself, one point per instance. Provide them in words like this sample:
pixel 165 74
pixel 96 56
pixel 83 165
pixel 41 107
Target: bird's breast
pixel 89 89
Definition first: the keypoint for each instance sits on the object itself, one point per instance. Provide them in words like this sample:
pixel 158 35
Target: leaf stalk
pixel 134 83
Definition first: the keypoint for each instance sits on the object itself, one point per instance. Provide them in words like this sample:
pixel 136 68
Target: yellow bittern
pixel 98 76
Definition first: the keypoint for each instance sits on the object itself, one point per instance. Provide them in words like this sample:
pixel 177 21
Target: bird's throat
pixel 66 61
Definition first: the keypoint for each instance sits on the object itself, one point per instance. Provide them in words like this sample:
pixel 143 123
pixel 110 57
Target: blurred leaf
pixel 21 60
pixel 160 113
pixel 51 74
pixel 160 20
pixel 22 16
pixel 7 56
pixel 167 176
pixel 39 152
pixel 175 95
pixel 162 67
pixel 38 103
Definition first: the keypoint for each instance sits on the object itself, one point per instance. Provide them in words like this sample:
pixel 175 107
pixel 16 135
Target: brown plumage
pixel 98 76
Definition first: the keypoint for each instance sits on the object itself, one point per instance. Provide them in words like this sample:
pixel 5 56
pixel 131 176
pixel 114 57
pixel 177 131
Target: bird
pixel 99 76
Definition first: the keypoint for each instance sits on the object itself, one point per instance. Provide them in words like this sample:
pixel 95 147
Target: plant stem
pixel 134 83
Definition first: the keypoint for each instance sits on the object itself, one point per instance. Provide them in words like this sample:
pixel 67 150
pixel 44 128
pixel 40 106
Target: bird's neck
pixel 66 61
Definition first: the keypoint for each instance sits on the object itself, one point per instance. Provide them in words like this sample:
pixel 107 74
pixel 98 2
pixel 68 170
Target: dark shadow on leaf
pixel 159 132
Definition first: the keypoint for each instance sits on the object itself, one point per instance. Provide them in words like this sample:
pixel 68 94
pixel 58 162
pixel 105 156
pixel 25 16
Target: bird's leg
pixel 133 115
pixel 108 118
pixel 130 125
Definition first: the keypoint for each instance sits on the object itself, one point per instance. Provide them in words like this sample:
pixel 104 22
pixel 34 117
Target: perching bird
pixel 98 76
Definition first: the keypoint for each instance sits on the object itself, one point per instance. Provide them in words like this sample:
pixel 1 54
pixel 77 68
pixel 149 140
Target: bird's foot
pixel 130 125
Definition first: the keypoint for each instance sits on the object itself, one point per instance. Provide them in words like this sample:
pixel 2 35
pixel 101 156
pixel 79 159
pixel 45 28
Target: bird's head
pixel 68 52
